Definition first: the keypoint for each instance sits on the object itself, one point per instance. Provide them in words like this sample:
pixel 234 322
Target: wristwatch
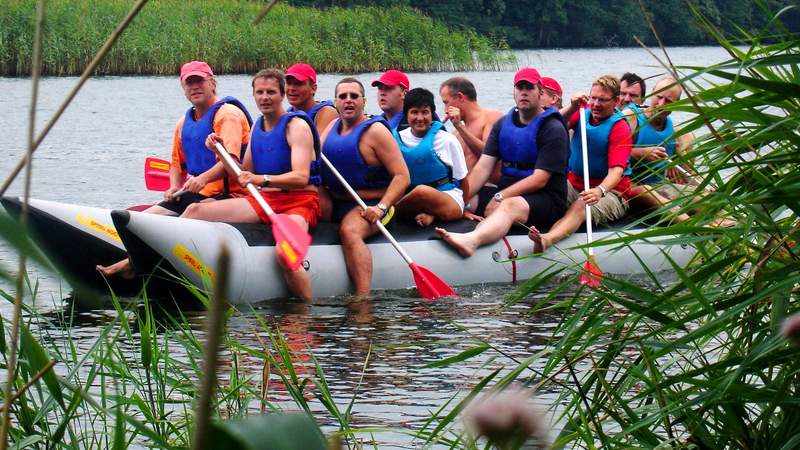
pixel 498 197
pixel 267 179
pixel 603 190
pixel 382 207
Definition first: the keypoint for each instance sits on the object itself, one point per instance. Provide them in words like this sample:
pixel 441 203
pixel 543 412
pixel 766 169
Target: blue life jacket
pixel 597 147
pixel 194 134
pixel 395 121
pixel 343 153
pixel 271 153
pixel 652 172
pixel 312 113
pixel 518 147
pixel 424 164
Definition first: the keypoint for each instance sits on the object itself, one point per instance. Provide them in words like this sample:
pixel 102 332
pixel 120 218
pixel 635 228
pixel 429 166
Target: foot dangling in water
pixel 123 269
pixel 463 244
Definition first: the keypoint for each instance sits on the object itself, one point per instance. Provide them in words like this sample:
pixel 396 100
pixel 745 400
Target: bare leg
pixel 354 229
pixel 237 210
pixel 325 204
pixel 491 229
pixel 567 225
pixel 429 202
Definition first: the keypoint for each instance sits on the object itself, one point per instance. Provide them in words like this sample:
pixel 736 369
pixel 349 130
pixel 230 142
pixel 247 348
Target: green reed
pixel 695 359
pixel 168 33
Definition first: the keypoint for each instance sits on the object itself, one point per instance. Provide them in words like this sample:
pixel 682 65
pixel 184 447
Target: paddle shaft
pixel 232 165
pixel 585 153
pixel 363 206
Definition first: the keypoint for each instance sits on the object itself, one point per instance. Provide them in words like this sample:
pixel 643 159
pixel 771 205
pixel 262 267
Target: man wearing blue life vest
pixel 207 178
pixel 608 138
pixel 301 86
pixel 283 159
pixel 531 143
pixel 655 144
pixel 435 162
pixel 392 87
pixel 366 154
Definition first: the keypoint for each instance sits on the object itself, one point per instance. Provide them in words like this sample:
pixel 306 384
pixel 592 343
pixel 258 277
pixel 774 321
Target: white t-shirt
pixel 447 148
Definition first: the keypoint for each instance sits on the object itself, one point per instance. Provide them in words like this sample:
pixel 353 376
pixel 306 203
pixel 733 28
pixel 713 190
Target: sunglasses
pixel 345 96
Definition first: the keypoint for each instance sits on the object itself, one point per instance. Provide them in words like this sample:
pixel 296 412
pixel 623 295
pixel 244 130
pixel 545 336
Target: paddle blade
pixel 591 274
pixel 291 241
pixel 429 285
pixel 156 174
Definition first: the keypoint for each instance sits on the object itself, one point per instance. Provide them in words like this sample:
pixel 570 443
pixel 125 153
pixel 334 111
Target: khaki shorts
pixel 610 208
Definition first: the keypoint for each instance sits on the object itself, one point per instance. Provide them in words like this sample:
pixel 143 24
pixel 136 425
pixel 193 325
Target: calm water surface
pixel 94 156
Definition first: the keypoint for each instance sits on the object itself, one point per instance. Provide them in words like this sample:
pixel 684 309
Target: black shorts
pixel 187 198
pixel 342 207
pixel 544 208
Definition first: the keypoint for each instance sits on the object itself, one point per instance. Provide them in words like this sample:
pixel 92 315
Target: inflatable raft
pixel 78 237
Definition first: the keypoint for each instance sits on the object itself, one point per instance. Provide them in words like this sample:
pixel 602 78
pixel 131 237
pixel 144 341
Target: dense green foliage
pixel 167 33
pixel 698 361
pixel 585 23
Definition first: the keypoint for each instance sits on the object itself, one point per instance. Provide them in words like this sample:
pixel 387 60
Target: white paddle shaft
pixel 363 206
pixel 231 165
pixel 585 153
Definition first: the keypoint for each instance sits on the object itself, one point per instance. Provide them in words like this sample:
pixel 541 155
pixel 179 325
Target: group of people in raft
pixel 521 167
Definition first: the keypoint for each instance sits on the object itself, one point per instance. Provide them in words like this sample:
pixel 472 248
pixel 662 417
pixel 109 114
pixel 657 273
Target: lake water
pixel 94 156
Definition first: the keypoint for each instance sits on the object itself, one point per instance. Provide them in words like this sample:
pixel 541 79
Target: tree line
pixel 590 23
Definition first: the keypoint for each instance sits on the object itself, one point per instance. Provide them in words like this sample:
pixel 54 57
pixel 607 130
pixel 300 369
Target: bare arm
pixel 532 183
pixel 478 176
pixel 388 153
pixel 574 104
pixel 301 143
pixel 324 117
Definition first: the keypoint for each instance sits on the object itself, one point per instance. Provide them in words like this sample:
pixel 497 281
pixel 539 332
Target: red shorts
pixel 302 203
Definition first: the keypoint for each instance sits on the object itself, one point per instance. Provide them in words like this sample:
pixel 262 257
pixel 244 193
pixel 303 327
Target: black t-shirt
pixel 553 155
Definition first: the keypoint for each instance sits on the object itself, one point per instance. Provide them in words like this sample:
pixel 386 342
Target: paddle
pixel 428 284
pixel 591 274
pixel 156 174
pixel 291 241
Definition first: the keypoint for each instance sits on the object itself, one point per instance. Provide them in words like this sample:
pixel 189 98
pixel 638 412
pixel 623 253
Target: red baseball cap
pixel 552 84
pixel 198 68
pixel 302 72
pixel 528 74
pixel 391 78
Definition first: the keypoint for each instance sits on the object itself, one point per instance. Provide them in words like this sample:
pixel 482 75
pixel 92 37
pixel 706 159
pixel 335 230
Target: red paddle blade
pixel 591 274
pixel 156 174
pixel 291 241
pixel 429 285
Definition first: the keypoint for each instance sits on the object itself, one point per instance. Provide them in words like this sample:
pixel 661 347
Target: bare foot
pixel 459 241
pixel 540 243
pixel 423 219
pixel 122 268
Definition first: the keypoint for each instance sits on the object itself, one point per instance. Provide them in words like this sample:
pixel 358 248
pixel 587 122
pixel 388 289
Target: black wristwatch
pixel 266 182
pixel 382 207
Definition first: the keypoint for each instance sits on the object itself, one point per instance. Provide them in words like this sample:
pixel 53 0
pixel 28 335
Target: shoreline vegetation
pixel 168 33
pixel 708 358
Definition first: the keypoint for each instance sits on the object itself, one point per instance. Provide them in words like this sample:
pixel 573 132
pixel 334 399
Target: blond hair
pixel 609 82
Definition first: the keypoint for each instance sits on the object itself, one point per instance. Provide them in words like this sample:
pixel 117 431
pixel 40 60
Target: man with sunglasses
pixel 608 138
pixel 531 143
pixel 365 153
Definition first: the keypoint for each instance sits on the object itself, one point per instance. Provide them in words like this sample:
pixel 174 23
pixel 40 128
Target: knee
pixel 192 211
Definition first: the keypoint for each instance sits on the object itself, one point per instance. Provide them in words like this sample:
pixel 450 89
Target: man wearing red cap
pixel 531 143
pixel 392 87
pixel 301 86
pixel 608 139
pixel 551 93
pixel 207 179
pixel 472 122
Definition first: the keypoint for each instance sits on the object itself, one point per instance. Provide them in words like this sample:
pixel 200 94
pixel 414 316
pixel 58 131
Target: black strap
pixel 519 165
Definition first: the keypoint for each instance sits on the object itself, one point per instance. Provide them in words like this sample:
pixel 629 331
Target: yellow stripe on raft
pixel 194 263
pixel 94 225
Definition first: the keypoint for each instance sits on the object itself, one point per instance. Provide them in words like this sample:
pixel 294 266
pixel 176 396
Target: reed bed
pixel 168 33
